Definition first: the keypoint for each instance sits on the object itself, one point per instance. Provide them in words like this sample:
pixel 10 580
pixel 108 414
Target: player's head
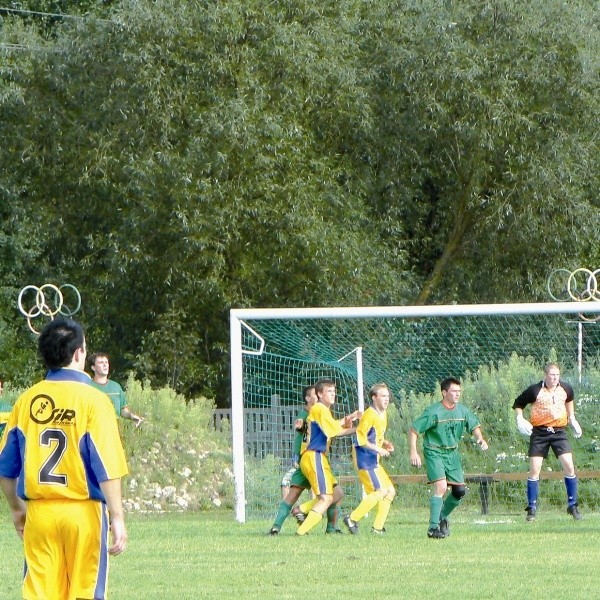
pixel 375 389
pixel 99 363
pixel 451 390
pixel 309 395
pixel 446 383
pixel 380 396
pixel 325 389
pixel 61 342
pixel 551 374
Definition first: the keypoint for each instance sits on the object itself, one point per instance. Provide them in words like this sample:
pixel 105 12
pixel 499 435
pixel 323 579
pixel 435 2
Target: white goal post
pixel 241 329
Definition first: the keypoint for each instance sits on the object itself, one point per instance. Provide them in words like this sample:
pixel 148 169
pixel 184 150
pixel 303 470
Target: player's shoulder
pixel 97 399
pixel 370 414
pixel 319 411
pixel 466 410
pixel 94 391
pixel 113 386
pixel 567 387
pixel 302 413
pixel 435 408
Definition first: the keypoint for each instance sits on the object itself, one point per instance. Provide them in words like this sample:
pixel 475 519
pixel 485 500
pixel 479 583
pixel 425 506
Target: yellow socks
pixel 312 518
pixel 382 513
pixel 367 504
pixel 306 507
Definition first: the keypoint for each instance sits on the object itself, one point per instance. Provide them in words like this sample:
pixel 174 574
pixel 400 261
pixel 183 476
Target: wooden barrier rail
pixel 485 480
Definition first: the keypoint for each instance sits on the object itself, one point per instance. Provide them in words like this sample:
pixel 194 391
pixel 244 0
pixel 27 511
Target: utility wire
pixel 22 12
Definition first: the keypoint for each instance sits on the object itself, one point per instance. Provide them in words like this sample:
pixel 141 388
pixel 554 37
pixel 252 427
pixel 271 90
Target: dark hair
pixel 446 383
pixel 322 384
pixel 91 359
pixel 306 390
pixel 58 342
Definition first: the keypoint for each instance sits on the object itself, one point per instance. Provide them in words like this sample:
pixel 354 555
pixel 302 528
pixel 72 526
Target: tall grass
pixel 208 555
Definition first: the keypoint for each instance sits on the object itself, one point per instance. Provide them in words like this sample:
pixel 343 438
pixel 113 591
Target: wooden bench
pixel 484 480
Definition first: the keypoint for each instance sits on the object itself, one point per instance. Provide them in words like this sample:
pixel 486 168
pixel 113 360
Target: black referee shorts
pixel 544 438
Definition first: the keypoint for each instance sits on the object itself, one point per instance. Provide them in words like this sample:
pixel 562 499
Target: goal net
pixel 496 350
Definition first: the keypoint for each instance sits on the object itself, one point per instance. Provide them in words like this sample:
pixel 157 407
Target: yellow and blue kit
pixel 320 428
pixel 61 441
pixel 371 428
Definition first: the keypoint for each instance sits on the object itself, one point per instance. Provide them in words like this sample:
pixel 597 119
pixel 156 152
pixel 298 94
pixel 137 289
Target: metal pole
pixel 359 379
pixel 580 350
pixel 237 417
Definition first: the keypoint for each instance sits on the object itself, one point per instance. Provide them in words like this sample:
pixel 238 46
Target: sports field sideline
pixel 209 555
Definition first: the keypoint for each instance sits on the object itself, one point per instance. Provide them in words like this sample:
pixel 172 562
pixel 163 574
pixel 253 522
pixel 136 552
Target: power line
pixel 14 47
pixel 22 12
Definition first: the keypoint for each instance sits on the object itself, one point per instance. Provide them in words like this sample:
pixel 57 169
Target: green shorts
pixel 298 480
pixel 443 464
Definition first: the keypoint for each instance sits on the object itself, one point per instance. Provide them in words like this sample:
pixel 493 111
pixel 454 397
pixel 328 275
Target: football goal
pixel 496 350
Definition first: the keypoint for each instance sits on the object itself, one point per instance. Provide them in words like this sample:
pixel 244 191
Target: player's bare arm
pixel 415 459
pixel 347 431
pixel 386 445
pixel 479 438
pixel 349 419
pixel 112 493
pixel 381 450
pixel 17 506
pixel 127 414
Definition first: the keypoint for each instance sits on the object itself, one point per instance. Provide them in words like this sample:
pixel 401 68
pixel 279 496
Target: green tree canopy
pixel 176 160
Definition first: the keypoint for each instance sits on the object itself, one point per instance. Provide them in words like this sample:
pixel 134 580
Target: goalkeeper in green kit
pixel 442 425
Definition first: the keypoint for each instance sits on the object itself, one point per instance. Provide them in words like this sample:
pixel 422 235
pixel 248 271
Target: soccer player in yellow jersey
pixel 552 408
pixel 61 463
pixel 321 426
pixel 369 448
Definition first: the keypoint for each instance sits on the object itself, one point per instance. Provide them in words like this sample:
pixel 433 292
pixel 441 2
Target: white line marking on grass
pixel 500 522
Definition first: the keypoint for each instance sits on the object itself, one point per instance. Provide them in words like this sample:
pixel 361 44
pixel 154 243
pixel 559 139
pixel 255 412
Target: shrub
pixel 177 460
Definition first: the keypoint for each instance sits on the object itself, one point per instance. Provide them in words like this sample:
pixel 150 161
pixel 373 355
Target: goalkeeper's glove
pixel 577 432
pixel 524 426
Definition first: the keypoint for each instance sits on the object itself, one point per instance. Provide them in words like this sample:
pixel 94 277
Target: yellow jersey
pixel 62 440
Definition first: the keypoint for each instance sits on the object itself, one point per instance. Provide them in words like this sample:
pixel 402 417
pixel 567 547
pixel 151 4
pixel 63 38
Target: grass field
pixel 209 555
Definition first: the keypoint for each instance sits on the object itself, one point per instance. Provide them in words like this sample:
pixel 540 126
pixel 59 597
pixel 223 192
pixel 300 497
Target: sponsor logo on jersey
pixel 43 411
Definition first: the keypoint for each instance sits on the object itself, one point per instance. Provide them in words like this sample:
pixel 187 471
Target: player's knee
pixel 326 500
pixel 380 493
pixel 440 488
pixel 391 493
pixel 458 491
pixel 338 493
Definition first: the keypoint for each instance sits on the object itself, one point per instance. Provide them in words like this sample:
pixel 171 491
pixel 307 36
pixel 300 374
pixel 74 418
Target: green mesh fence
pixel 495 356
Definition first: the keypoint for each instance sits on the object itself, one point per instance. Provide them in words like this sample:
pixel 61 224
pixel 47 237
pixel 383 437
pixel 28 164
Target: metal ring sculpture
pixel 580 285
pixel 49 301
